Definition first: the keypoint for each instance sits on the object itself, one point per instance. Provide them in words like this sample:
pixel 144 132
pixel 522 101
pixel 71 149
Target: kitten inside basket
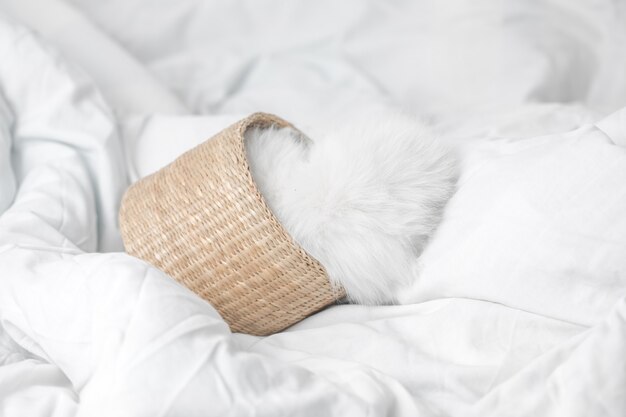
pixel 363 198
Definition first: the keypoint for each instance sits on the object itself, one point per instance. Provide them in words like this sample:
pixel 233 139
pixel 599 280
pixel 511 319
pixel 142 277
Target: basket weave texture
pixel 202 220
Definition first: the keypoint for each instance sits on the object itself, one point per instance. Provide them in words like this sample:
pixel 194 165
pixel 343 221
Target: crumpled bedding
pixel 107 92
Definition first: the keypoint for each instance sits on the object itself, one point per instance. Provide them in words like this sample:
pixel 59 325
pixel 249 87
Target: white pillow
pixel 536 224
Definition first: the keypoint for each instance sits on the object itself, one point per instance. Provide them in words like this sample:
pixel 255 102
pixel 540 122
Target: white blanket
pixel 489 329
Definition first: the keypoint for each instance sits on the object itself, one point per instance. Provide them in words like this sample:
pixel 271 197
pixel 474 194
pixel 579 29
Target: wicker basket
pixel 202 220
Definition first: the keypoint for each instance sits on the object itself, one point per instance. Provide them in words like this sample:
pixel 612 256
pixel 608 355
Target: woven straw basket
pixel 202 220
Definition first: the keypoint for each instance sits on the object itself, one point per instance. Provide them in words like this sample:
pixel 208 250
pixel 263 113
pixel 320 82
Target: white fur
pixel 363 198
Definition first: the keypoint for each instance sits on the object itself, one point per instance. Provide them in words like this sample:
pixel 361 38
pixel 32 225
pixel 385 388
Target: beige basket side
pixel 203 221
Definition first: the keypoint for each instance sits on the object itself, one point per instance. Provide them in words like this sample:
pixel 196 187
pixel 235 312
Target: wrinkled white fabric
pixel 122 80
pixel 451 60
pixel 89 333
pixel 7 179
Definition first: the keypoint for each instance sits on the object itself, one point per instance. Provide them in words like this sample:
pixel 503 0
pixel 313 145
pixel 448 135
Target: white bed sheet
pixel 87 333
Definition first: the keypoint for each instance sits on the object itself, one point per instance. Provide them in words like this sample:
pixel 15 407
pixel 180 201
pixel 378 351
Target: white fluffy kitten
pixel 362 198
